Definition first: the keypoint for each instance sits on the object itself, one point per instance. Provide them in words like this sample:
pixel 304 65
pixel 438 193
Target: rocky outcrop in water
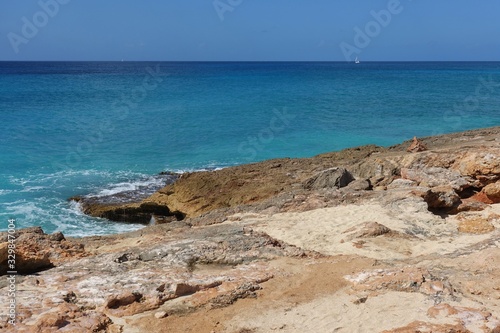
pixel 369 239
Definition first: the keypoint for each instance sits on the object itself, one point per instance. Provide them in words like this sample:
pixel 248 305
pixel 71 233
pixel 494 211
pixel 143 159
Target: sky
pixel 250 30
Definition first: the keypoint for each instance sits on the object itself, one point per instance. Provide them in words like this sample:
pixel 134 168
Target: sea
pixel 99 128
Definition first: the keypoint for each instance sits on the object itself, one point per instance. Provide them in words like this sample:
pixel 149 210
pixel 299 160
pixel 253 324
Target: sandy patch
pixel 329 231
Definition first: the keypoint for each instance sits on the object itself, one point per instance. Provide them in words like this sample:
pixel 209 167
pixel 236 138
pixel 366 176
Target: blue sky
pixel 255 30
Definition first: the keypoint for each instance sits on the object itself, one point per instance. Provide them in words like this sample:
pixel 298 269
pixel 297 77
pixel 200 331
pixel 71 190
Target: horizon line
pixel 254 61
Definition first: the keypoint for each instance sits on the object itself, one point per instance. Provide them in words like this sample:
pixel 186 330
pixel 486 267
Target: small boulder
pixel 330 178
pixel 125 299
pixel 36 251
pixel 360 185
pixel 183 289
pixel 492 191
pixel 441 197
pixel 372 229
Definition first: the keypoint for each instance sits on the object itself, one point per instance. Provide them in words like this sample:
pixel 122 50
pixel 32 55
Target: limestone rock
pixel 331 178
pixel 367 230
pixel 492 192
pixel 476 225
pixel 420 326
pixel 442 197
pixel 416 146
pixel 435 176
pixel 36 251
pixel 409 279
pixel 482 165
pixel 401 183
pixel 360 185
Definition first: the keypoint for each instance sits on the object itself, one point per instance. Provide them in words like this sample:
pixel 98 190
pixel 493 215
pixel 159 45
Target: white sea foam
pixel 129 186
pixel 58 215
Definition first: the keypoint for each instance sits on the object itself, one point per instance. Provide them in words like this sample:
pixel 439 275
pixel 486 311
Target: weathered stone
pixel 409 279
pixel 183 289
pixel 492 191
pixel 477 225
pixel 416 146
pixel 482 165
pixel 435 176
pixel 420 326
pixel 360 185
pixel 36 251
pixel 421 259
pixel 442 197
pixel 469 205
pixel 366 230
pixel 125 299
pixel 401 183
pixel 331 178
pixel 161 314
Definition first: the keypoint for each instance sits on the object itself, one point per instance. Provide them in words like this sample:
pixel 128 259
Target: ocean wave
pixel 59 215
pixel 134 185
pixel 33 188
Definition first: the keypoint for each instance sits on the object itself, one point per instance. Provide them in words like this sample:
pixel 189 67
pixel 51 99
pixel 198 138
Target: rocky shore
pixel 368 239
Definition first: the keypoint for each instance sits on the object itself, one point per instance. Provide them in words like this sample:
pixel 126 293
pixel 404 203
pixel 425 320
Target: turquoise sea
pixel 95 128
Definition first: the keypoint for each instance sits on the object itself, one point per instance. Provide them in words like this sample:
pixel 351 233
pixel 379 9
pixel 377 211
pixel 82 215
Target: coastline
pixel 196 193
pixel 405 241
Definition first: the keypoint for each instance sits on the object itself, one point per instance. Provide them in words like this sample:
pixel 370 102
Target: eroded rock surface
pixel 369 239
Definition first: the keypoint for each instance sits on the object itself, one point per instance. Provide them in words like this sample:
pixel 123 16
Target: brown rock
pixel 367 229
pixel 492 192
pixel 52 320
pixel 408 279
pixel 435 176
pixel 416 146
pixel 482 165
pixel 419 326
pixel 36 251
pixel 125 299
pixel 481 197
pixel 441 197
pixel 360 185
pixel 470 205
pixel 183 289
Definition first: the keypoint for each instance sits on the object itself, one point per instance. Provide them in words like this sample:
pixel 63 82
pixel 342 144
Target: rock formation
pixel 368 239
pixel 416 146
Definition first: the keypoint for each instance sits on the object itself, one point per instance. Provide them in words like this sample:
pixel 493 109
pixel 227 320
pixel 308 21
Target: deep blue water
pixel 79 128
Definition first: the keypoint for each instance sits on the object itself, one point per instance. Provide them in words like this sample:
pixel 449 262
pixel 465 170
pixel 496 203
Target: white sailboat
pixel 356 61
